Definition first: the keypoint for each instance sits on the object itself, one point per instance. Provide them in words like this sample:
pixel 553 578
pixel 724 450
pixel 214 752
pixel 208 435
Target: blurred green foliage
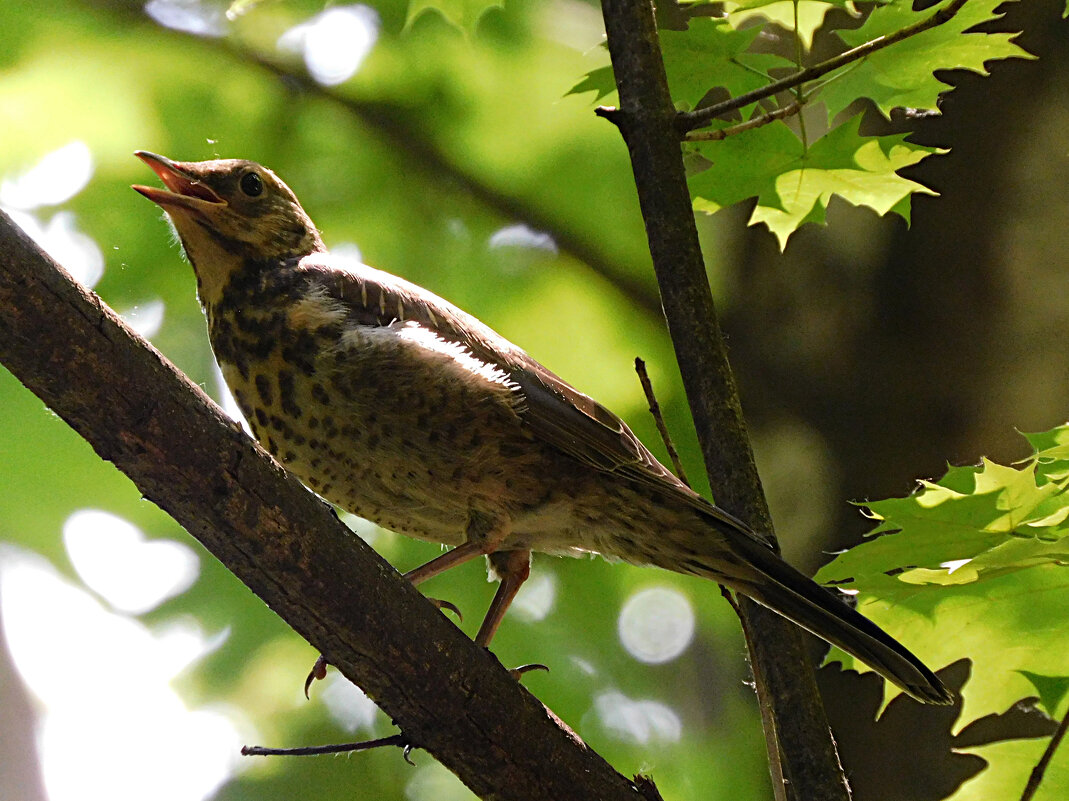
pixel 107 76
pixel 485 87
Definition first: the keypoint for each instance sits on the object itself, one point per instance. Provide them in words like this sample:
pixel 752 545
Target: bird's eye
pixel 252 185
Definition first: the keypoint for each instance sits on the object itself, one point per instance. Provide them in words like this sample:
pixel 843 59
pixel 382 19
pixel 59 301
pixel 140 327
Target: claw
pixel 446 605
pixel 517 672
pixel 318 671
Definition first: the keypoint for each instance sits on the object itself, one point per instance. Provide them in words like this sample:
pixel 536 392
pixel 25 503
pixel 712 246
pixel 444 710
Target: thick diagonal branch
pixel 139 412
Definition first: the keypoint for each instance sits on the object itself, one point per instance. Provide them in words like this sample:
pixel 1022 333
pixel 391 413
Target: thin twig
pixel 398 740
pixel 689 120
pixel 756 122
pixel 1040 769
pixel 647 789
pixel 655 410
pixel 776 764
pixel 769 716
pixel 732 602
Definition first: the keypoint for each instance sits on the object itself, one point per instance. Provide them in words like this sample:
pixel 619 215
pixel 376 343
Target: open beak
pixel 183 190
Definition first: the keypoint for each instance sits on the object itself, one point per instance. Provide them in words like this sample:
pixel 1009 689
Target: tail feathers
pixel 773 583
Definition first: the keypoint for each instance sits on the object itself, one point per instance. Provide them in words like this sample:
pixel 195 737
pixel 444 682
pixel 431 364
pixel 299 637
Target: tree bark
pixel 802 753
pixel 139 412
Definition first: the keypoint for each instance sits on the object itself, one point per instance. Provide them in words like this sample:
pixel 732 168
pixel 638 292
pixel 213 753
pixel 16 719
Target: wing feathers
pixel 555 411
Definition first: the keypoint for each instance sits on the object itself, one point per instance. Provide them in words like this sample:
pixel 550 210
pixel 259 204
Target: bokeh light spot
pixel 55 178
pixel 191 16
pixel 335 42
pixel 522 236
pixel 111 725
pixel 641 722
pixel 536 597
pixel 145 318
pixel 348 704
pixel 115 560
pixel 656 625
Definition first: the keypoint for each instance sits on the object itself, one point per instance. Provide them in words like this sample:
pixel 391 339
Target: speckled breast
pixel 365 417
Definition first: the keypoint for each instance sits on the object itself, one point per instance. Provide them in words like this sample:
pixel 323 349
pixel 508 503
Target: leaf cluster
pixel 974 566
pixel 795 167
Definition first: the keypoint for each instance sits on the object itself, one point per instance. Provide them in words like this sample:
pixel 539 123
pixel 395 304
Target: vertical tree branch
pixel 796 728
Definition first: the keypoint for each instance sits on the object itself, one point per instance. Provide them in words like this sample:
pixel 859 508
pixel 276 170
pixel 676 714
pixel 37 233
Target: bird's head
pixel 227 212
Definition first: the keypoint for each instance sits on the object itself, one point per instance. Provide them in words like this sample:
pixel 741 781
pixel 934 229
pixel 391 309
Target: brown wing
pixel 555 411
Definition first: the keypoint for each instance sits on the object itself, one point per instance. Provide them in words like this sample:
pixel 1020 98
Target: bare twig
pixel 655 410
pixel 749 125
pixel 776 765
pixel 397 740
pixel 689 120
pixel 1036 776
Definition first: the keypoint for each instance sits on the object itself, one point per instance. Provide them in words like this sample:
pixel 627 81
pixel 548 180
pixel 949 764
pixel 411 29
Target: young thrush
pixel 401 408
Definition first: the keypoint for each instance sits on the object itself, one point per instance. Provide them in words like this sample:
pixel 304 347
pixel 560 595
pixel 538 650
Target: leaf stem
pixel 756 122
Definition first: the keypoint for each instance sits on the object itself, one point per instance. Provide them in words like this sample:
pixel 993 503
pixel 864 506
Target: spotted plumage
pixel 399 407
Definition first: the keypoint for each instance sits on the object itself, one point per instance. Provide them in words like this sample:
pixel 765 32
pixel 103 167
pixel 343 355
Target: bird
pixel 401 408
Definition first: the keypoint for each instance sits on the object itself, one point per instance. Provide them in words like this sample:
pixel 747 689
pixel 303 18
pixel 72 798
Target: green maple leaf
pixel 804 17
pixel 793 185
pixel 902 75
pixel 977 567
pixel 600 80
pixel 464 14
pixel 1009 762
pixel 1051 690
pixel 710 54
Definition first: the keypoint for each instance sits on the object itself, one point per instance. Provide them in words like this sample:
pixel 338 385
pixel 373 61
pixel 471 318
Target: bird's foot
pixel 517 672
pixel 319 669
pixel 317 673
pixel 445 605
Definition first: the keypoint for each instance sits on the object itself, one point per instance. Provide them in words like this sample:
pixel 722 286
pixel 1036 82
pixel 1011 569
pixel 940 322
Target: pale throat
pixel 213 264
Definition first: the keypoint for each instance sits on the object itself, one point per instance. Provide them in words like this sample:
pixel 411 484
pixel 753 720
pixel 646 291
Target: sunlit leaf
pixel 805 17
pixel 793 185
pixel 902 75
pixel 1009 765
pixel 710 55
pixel 1051 690
pixel 975 566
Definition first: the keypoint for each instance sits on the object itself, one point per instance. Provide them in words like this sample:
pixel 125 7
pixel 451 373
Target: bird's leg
pixel 513 568
pixel 454 558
